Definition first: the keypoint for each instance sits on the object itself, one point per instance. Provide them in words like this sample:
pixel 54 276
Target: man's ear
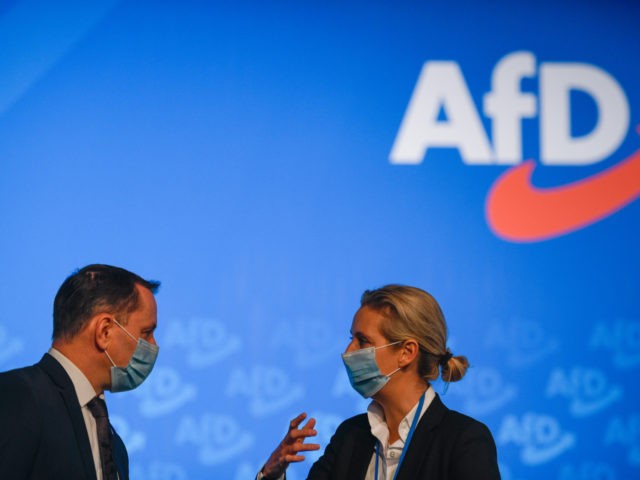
pixel 103 330
pixel 409 349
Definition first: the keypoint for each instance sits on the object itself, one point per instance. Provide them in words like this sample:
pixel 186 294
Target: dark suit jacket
pixel 446 445
pixel 42 431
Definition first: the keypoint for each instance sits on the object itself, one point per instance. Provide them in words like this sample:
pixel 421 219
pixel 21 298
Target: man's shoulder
pixel 20 390
pixel 24 380
pixel 20 376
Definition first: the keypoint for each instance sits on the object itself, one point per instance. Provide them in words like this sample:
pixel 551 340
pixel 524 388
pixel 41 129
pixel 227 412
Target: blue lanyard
pixel 414 422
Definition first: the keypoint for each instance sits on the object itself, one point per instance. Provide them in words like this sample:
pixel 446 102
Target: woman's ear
pixel 409 349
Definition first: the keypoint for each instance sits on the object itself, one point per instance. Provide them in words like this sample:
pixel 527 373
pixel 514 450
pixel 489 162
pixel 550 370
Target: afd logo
pixel 442 113
pixel 205 341
pixel 164 392
pixel 525 342
pixel 484 391
pixel 539 437
pixel 342 388
pixel 269 389
pixel 621 339
pixel 292 336
pixel 217 438
pixel 625 432
pixel 133 439
pixel 588 390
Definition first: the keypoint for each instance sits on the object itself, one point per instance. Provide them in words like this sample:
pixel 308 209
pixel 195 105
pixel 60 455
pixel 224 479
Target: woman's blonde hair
pixel 410 312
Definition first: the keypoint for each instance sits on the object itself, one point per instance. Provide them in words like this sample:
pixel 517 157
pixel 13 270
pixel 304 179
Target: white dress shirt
pixel 390 454
pixel 84 392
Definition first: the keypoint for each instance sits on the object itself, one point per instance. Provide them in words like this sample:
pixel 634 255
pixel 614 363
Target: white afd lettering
pixel 558 147
pixel 506 105
pixel 441 87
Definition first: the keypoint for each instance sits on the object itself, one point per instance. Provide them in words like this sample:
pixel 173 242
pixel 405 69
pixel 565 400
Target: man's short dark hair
pixel 92 290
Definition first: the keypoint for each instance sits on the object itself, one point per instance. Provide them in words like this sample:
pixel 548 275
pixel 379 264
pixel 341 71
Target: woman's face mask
pixel 364 375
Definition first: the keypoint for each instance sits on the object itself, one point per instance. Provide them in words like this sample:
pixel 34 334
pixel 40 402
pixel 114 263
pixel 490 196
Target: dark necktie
pixel 99 411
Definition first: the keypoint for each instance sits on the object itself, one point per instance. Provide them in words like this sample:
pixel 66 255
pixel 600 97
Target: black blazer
pixel 446 445
pixel 42 431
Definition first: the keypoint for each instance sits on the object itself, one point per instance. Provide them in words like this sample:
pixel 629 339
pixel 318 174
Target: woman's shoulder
pixel 440 413
pixel 354 427
pixel 451 423
pixel 357 422
pixel 455 418
pixel 456 423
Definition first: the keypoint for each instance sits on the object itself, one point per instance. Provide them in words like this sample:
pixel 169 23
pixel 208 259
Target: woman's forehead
pixel 367 320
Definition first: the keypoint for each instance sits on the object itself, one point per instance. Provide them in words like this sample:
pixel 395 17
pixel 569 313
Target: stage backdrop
pixel 269 161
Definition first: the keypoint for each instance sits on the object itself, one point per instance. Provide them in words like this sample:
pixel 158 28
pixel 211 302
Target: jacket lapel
pixel 422 439
pixel 68 393
pixel 363 446
pixel 120 455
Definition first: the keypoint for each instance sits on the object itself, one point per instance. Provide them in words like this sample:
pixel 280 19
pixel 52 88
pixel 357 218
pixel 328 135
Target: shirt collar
pixel 81 384
pixel 379 428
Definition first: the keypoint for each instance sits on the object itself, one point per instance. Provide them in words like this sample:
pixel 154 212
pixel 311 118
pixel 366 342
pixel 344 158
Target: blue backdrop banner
pixel 269 161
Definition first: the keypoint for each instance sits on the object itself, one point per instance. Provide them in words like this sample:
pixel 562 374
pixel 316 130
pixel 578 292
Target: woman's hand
pixel 288 450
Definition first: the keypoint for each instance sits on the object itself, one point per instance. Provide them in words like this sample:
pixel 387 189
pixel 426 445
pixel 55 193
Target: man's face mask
pixel 139 367
pixel 364 374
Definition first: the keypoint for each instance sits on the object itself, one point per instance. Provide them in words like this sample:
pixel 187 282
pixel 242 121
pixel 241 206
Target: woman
pixel 398 346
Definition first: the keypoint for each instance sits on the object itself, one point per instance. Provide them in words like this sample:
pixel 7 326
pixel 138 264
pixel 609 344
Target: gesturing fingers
pixel 298 437
pixel 296 448
pixel 293 424
pixel 293 443
pixel 310 424
pixel 302 434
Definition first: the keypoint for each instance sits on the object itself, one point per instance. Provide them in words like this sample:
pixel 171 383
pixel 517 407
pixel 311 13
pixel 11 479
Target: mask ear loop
pixel 396 370
pixel 109 357
pixel 388 345
pixel 385 346
pixel 125 330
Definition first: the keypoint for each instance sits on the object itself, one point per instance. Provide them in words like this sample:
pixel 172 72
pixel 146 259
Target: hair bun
pixel 444 358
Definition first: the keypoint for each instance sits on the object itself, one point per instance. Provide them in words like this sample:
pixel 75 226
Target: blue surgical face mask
pixel 139 367
pixel 364 374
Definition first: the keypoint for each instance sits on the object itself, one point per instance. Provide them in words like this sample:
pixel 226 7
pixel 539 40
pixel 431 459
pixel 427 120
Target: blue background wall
pixel 240 154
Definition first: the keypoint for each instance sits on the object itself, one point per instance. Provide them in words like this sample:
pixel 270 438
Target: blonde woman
pixel 397 347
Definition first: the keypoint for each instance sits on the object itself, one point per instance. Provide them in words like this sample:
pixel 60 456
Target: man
pixel 53 420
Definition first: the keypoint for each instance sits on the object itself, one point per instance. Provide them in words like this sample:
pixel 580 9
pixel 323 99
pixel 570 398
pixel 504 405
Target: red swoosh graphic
pixel 520 212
